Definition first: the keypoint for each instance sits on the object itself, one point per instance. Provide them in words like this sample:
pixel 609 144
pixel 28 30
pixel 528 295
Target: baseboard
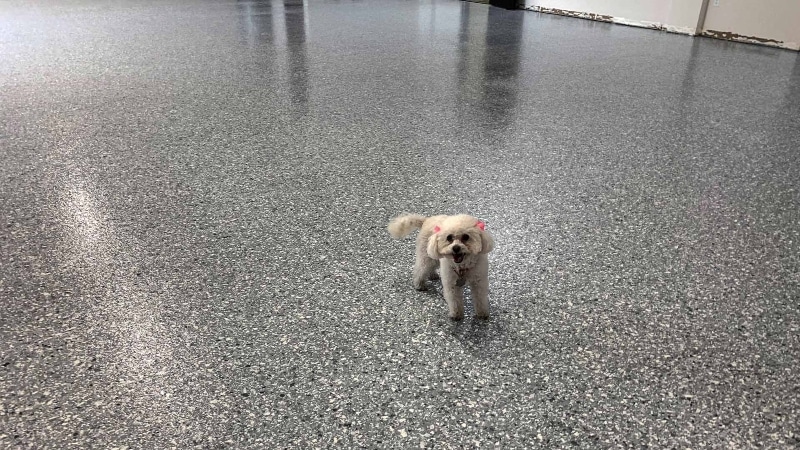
pixel 611 19
pixel 668 28
pixel 750 39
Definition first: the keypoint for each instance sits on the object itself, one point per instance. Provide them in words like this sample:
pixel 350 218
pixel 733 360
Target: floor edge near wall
pixel 727 36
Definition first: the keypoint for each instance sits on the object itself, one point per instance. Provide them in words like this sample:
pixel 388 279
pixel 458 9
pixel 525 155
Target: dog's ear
pixel 433 247
pixel 487 242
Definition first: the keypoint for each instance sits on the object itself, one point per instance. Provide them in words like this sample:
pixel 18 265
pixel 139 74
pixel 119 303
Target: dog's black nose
pixel 456 249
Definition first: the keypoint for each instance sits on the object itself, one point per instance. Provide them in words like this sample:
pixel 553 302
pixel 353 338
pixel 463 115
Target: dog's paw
pixel 456 318
pixel 421 287
pixel 434 276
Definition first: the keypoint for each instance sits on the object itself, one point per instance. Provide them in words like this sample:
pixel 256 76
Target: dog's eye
pixel 449 238
pixel 465 238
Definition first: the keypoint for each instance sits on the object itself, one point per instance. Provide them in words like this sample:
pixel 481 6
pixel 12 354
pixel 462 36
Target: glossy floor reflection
pixel 193 251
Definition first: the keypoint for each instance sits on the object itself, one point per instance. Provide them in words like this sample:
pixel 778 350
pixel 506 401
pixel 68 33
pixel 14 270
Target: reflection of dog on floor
pixel 458 244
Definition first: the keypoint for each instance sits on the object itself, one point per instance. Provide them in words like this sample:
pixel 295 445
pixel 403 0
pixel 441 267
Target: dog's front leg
pixel 454 295
pixel 479 286
pixel 480 296
pixel 424 267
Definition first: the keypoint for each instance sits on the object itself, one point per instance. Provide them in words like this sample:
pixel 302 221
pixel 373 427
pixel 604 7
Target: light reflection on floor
pixel 100 254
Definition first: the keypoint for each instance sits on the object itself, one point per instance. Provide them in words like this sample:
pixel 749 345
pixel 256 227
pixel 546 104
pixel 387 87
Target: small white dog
pixel 458 244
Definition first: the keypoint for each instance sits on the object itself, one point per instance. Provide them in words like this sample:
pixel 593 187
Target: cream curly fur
pixel 458 246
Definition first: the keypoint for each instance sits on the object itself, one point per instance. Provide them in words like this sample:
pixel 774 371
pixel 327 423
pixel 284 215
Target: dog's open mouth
pixel 458 258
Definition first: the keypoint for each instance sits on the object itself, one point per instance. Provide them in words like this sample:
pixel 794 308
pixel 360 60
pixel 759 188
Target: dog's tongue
pixel 458 258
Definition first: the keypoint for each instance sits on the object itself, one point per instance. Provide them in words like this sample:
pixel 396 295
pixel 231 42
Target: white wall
pixel 777 20
pixel 686 15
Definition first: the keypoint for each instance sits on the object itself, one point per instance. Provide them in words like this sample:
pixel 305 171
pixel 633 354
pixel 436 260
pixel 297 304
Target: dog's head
pixel 458 238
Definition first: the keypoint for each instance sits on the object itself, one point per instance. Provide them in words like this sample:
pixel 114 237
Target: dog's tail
pixel 403 225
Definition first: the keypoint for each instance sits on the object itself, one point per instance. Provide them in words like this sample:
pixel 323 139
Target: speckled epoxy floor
pixel 192 207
